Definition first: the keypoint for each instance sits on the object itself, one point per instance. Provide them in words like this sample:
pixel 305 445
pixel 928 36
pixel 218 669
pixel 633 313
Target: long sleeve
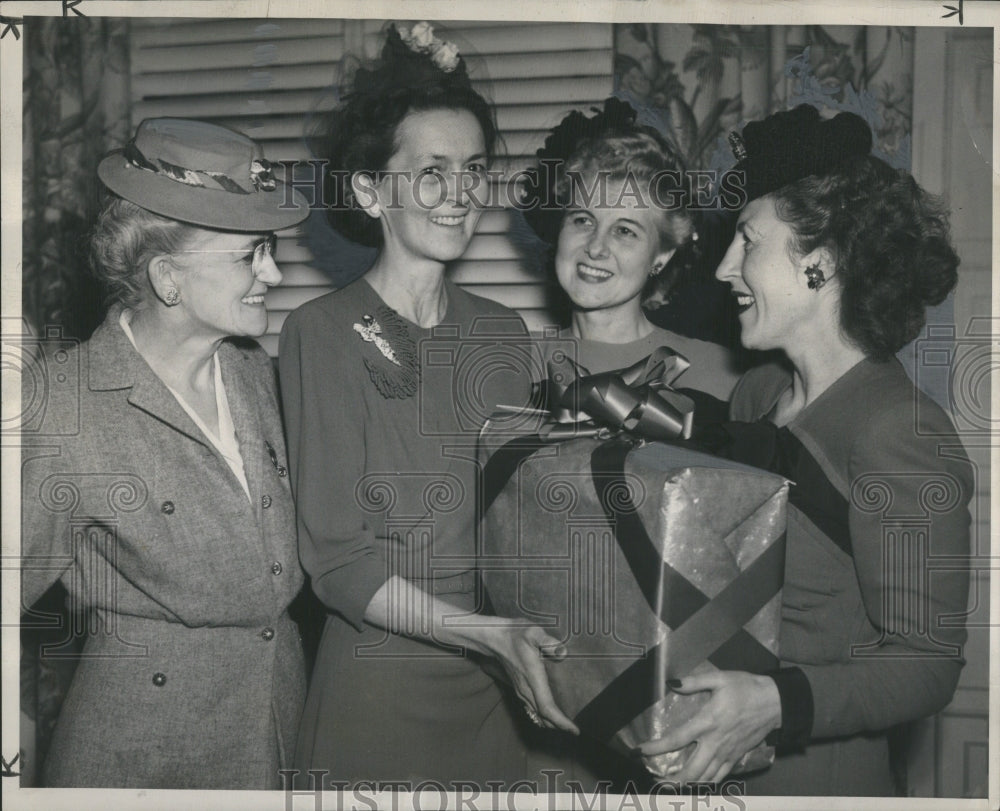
pixel 881 492
pixel 908 506
pixel 321 384
pixel 46 551
pixel 49 487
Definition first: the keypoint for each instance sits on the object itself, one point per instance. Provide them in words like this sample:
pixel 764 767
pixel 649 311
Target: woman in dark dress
pixel 385 384
pixel 835 258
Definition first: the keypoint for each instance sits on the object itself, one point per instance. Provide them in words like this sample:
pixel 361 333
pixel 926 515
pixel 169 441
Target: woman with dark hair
pixel 385 384
pixel 835 259
pixel 155 487
pixel 609 195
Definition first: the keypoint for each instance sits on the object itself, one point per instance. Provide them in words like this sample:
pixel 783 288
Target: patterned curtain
pixel 76 108
pixel 699 82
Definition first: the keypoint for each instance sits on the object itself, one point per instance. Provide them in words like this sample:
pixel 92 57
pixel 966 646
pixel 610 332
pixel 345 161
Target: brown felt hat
pixel 202 174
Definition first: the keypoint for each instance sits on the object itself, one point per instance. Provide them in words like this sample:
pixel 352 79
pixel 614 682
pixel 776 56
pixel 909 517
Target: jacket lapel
pixel 115 364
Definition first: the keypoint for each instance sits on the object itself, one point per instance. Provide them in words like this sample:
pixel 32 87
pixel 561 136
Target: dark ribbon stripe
pixel 764 445
pixel 813 494
pixel 726 614
pixel 628 694
pixel 625 697
pixel 503 464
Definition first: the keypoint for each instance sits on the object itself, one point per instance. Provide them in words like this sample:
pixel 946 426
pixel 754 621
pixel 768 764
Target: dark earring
pixel 815 276
pixel 656 269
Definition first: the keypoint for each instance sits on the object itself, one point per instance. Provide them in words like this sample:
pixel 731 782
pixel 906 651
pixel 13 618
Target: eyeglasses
pixel 265 249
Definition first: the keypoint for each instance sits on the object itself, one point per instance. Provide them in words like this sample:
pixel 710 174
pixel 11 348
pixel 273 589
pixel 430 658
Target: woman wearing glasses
pixel 157 488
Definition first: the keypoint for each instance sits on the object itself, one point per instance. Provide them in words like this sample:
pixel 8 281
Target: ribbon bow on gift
pixel 638 399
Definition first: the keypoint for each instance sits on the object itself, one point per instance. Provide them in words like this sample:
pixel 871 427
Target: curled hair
pixel 890 243
pixel 122 244
pixel 642 156
pixel 362 134
pixel 612 146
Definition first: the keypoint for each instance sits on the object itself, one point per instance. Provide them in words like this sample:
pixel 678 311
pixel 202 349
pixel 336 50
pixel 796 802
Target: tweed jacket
pixel 192 674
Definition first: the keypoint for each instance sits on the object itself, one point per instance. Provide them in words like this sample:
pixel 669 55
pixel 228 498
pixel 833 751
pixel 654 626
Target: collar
pixel 115 364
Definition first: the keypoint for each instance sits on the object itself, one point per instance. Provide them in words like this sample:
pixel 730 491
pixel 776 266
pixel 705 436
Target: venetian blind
pixel 267 78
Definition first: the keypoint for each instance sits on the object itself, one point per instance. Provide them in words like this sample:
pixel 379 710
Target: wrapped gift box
pixel 649 562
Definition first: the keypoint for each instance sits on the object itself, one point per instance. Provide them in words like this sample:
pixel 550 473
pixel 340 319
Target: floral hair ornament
pixel 420 39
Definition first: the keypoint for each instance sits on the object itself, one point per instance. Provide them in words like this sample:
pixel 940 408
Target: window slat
pixel 522 38
pixel 205 82
pixel 210 107
pixel 269 78
pixel 249 55
pixel 562 90
pixel 157 32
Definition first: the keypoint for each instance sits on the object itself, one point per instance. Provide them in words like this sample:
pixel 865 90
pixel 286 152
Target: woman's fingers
pixel 700 764
pixel 679 738
pixel 536 642
pixel 721 773
pixel 696 684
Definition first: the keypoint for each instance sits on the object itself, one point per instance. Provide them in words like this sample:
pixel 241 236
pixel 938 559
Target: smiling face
pixel 424 211
pixel 777 309
pixel 608 249
pixel 220 294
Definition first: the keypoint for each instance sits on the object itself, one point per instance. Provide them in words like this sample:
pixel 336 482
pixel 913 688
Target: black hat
pixel 792 144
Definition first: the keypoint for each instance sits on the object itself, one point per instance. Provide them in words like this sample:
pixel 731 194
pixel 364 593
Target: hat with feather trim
pixel 202 174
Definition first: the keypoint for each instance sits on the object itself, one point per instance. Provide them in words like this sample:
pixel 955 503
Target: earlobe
pixel 661 260
pixel 365 193
pixel 819 269
pixel 161 271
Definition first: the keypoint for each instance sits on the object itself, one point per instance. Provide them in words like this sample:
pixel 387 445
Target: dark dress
pixel 881 489
pixel 382 466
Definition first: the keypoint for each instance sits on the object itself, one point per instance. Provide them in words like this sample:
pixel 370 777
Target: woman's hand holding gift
pixel 521 650
pixel 742 710
pixel 402 607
